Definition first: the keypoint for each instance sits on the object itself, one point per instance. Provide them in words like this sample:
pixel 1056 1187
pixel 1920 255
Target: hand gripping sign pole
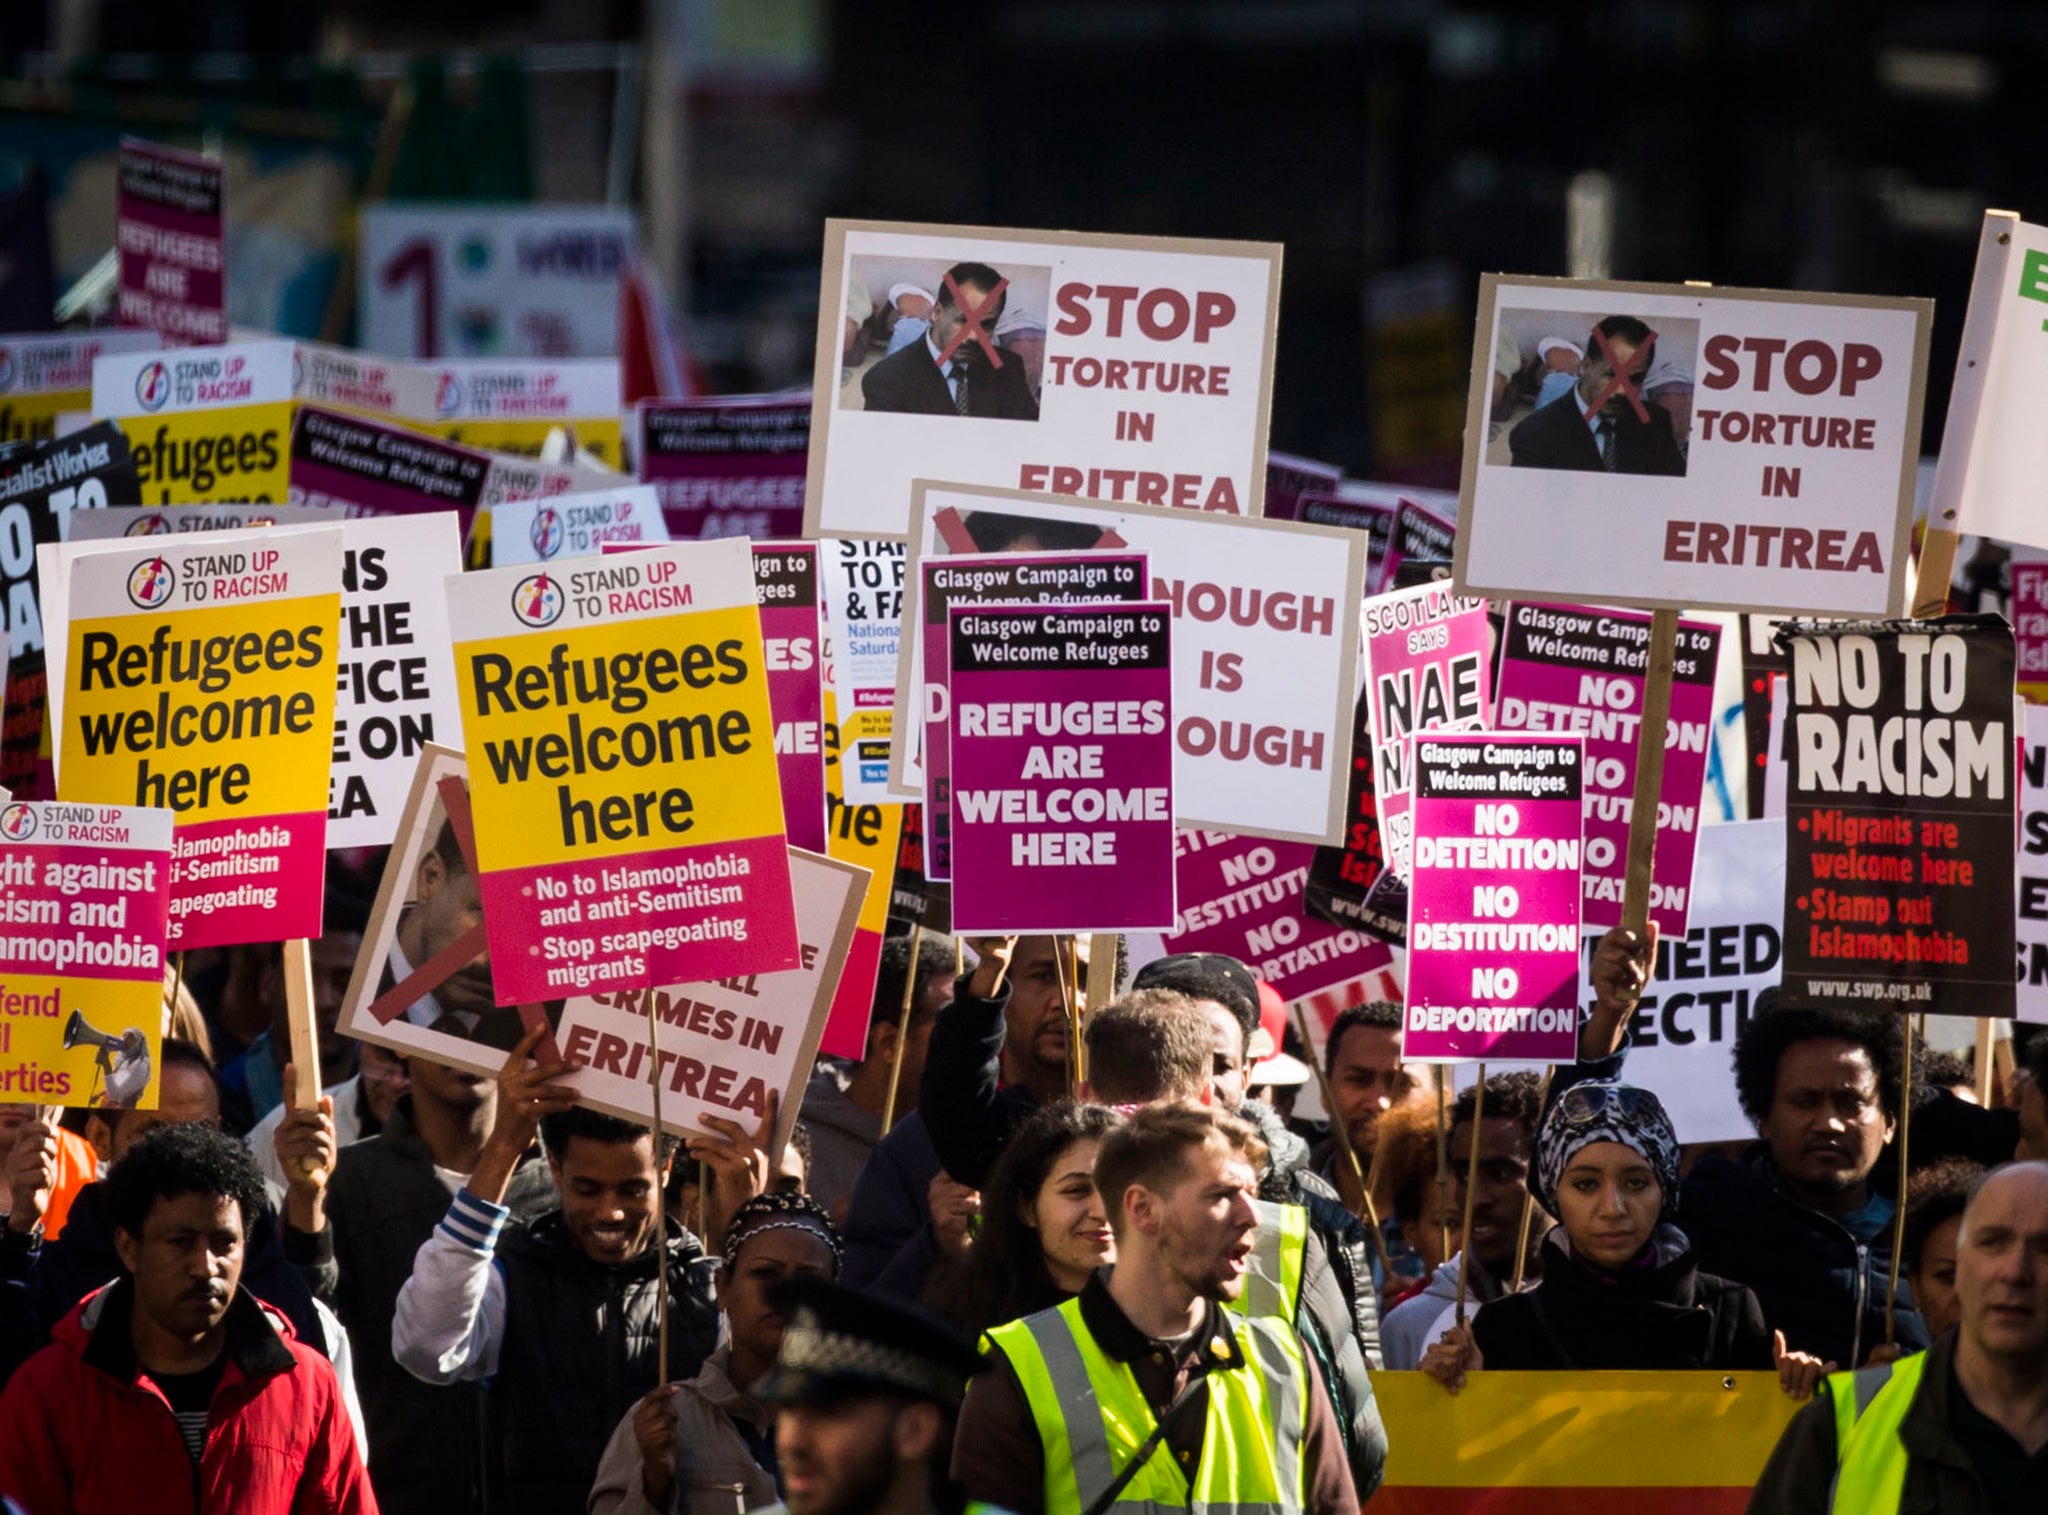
pixel 304 1093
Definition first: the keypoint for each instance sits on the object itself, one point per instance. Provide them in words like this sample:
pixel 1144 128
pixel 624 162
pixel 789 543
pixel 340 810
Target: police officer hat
pixel 839 1345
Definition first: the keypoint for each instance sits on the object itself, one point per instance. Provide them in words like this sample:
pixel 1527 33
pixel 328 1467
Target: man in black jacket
pixel 1797 1217
pixel 375 1211
pixel 1604 425
pixel 559 1315
pixel 947 374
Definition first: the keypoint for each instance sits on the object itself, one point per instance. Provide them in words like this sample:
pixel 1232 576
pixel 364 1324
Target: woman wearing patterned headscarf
pixel 1619 1287
pixel 707 1446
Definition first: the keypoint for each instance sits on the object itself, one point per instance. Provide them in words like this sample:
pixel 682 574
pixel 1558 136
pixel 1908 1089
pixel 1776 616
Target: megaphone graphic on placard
pixel 124 1058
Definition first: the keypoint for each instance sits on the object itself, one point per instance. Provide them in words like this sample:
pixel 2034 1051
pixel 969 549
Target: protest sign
pixel 492 281
pixel 1723 449
pixel 396 692
pixel 1241 895
pixel 1342 879
pixel 198 674
pixel 1707 980
pixel 501 405
pixel 340 378
pixel 866 834
pixel 79 524
pixel 576 525
pixel 1545 1443
pixel 84 894
pixel 786 586
pixel 1132 369
pixel 1493 901
pixel 1288 478
pixel 1576 668
pixel 1428 656
pixel 2032 882
pixel 864 602
pixel 623 776
pixel 1355 507
pixel 729 1045
pixel 44 375
pixel 39 483
pixel 205 424
pixel 2030 628
pixel 170 238
pixel 1265 641
pixel 1062 766
pixel 1900 806
pixel 914 895
pixel 924 752
pixel 1762 661
pixel 726 467
pixel 1422 536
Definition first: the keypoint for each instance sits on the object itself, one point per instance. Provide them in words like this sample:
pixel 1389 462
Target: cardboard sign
pixel 1344 882
pixel 1707 980
pixel 1422 535
pixel 1493 901
pixel 2032 883
pixel 1579 669
pixel 1288 478
pixel 1265 641
pixel 726 1046
pixel 340 378
pixel 84 896
pixel 47 375
pixel 864 589
pixel 867 835
pixel 171 238
pixel 726 467
pixel 1025 578
pixel 1428 655
pixel 199 675
pixel 1355 507
pixel 500 406
pixel 492 281
pixel 1241 895
pixel 1132 369
pixel 1900 805
pixel 397 690
pixel 1762 662
pixel 39 483
pixel 2030 628
pixel 622 772
pixel 1062 766
pixel 786 585
pixel 1719 449
pixel 205 424
pixel 77 524
pixel 914 895
pixel 577 525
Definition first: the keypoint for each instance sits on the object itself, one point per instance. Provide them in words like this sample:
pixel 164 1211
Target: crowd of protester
pixel 991 1266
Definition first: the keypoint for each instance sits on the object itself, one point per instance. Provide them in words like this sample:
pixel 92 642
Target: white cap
pixel 898 291
pixel 1549 345
pixel 1014 321
pixel 1277 1071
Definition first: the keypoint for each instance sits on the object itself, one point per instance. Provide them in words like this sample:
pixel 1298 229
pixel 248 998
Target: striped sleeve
pixel 451 1313
pixel 474 1222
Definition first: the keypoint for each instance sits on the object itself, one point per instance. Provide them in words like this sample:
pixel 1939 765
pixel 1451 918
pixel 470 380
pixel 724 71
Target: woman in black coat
pixel 1619 1288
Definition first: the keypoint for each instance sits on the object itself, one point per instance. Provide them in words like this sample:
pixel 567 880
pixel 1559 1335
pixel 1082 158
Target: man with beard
pixel 926 379
pixel 174 1387
pixel 1962 1427
pixel 1144 1387
pixel 557 1316
pixel 1796 1217
pixel 446 903
pixel 866 1392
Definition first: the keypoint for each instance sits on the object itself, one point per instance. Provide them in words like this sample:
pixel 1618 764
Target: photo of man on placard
pixel 1613 405
pixel 956 360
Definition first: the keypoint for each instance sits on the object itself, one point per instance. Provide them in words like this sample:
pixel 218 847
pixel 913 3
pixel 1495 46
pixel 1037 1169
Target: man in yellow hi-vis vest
pixel 1961 1428
pixel 1144 1391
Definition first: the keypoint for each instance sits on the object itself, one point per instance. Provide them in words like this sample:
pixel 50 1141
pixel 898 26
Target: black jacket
pixel 1819 1285
pixel 908 380
pixel 579 1352
pixel 1662 1316
pixel 39 1286
pixel 1557 436
pixel 426 1440
pixel 888 1234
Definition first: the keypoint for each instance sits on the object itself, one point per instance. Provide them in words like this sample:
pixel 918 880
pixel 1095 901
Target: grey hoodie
pixel 1413 1326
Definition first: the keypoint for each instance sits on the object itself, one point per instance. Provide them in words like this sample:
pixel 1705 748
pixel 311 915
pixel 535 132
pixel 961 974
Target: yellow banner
pixel 238 453
pixel 33 418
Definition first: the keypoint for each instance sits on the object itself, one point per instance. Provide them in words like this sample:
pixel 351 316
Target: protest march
pixel 1034 925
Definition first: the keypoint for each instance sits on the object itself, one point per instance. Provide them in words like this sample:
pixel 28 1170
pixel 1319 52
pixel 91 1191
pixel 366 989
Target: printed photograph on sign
pixel 947 339
pixel 1625 385
pixel 1674 447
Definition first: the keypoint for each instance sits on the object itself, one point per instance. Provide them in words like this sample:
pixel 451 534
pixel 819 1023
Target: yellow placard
pixel 215 712
pixel 112 1017
pixel 33 418
pixel 602 435
pixel 867 835
pixel 619 737
pixel 239 453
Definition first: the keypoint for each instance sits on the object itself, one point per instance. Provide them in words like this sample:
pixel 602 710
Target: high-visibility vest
pixel 1870 1460
pixel 1092 1418
pixel 1272 1283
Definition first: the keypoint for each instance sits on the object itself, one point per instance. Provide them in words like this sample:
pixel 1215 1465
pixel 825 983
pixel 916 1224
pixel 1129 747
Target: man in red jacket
pixel 172 1389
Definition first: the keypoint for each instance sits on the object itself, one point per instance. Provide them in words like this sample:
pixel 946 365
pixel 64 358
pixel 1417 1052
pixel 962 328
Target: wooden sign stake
pixel 661 1223
pixel 1471 1187
pixel 1650 739
pixel 304 1093
pixel 902 1026
pixel 1343 1135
